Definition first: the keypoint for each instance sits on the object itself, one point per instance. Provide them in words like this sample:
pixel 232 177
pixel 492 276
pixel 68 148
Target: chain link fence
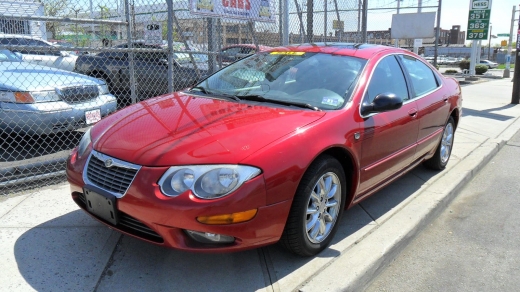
pixel 66 64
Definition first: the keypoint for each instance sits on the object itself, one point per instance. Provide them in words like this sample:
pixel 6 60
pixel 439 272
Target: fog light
pixel 207 237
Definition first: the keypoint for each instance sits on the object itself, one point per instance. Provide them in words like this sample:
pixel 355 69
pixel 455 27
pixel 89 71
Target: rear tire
pixel 317 207
pixel 442 154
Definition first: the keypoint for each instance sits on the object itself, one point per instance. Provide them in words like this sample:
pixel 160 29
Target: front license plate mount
pixel 102 205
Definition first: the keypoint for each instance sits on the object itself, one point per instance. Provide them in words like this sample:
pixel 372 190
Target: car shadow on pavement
pixel 67 253
pixel 75 252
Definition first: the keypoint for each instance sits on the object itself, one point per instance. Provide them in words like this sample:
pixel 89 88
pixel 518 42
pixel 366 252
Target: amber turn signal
pixel 23 97
pixel 228 218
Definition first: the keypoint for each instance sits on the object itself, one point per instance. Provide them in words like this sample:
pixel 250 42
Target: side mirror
pixel 382 103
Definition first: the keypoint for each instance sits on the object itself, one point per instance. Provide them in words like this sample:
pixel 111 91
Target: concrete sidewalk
pixel 48 244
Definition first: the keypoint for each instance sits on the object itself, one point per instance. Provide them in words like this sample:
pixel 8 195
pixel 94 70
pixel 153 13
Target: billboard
pixel 413 25
pixel 255 10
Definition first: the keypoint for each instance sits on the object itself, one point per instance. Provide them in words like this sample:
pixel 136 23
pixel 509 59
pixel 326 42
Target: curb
pixel 379 248
pixel 359 264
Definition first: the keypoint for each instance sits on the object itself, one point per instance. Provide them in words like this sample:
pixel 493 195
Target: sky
pixel 453 12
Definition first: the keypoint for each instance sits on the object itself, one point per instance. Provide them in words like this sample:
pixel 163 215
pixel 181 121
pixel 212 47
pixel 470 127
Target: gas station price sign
pixel 478 20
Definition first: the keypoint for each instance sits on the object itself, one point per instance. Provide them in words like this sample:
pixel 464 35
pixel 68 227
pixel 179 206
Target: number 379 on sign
pixel 474 35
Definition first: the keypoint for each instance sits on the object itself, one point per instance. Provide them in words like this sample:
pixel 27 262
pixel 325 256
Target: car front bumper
pixel 145 213
pixel 51 117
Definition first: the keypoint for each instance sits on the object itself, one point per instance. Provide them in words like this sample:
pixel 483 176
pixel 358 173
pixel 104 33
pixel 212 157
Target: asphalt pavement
pixel 48 244
pixel 473 244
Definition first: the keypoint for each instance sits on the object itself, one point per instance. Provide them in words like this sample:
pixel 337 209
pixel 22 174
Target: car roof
pixel 364 51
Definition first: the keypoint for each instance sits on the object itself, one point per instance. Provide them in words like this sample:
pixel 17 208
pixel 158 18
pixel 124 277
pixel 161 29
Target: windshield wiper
pixel 282 102
pixel 206 91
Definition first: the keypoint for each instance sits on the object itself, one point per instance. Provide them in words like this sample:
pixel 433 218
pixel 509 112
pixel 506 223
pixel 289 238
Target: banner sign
pixel 255 10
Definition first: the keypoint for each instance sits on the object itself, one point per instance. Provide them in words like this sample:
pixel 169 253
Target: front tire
pixel 317 207
pixel 442 154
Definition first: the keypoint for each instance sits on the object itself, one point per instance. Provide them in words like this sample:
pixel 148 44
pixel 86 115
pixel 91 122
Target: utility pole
pixel 437 34
pixel 419 10
pixel 516 77
pixel 398 8
pixel 325 23
pixel 509 44
pixel 285 36
pixel 364 22
pixel 310 20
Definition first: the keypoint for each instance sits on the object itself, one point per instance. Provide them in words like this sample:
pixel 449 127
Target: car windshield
pixel 321 81
pixel 183 58
pixel 8 56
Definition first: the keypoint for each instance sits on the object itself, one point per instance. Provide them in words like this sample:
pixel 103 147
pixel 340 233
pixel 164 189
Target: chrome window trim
pixel 115 162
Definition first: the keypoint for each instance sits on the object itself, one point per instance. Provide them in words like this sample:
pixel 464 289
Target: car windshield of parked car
pixel 8 56
pixel 322 81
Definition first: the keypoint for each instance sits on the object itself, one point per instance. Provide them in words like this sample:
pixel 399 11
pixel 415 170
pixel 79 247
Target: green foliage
pixel 464 64
pixel 451 71
pixel 503 66
pixel 481 69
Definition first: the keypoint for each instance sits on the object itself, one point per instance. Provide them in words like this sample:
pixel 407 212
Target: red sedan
pixel 271 148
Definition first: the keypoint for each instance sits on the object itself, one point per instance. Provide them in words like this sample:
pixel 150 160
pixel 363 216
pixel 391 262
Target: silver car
pixel 41 100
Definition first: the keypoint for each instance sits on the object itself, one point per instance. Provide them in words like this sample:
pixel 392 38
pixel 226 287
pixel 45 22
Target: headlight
pixel 44 96
pixel 84 142
pixel 206 181
pixel 103 89
pixel 29 97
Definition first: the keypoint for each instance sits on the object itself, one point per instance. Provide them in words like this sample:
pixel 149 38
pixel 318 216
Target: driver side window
pixel 387 78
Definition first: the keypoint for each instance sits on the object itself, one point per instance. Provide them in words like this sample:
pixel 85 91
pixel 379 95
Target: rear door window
pixel 422 77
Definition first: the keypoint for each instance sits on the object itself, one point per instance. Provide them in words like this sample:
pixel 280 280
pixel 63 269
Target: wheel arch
pixel 455 114
pixel 346 159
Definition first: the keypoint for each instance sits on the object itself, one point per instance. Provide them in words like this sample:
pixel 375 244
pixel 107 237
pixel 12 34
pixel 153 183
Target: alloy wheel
pixel 323 207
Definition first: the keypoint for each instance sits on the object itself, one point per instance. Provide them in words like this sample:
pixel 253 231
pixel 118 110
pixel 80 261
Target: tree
pixel 54 8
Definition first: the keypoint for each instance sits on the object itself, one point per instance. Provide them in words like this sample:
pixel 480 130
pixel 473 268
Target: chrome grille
pixel 115 178
pixel 78 94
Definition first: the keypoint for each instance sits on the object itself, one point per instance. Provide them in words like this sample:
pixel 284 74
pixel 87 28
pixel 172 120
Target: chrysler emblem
pixel 109 162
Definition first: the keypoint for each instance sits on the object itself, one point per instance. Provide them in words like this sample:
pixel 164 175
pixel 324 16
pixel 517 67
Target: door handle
pixel 412 112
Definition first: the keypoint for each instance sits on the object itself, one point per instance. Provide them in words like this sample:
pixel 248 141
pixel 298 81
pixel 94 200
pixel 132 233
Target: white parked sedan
pixel 51 57
pixel 489 64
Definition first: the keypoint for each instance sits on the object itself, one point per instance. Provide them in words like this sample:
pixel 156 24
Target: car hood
pixel 180 129
pixel 23 76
